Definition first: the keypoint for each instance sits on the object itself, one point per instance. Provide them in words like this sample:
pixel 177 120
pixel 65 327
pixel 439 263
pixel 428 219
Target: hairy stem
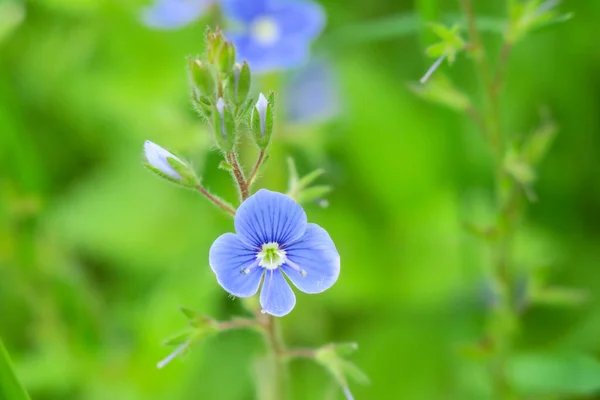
pixel 238 175
pixel 218 202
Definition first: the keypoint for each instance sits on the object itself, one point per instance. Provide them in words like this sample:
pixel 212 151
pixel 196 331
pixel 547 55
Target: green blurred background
pixel 96 254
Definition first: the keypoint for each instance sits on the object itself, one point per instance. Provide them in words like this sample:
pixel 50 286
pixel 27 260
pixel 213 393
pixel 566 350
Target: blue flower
pixel 274 34
pixel 274 241
pixel 173 14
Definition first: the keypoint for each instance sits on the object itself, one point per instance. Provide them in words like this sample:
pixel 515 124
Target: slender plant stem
pixel 502 318
pixel 259 161
pixel 278 358
pixel 501 69
pixel 216 200
pixel 493 130
pixel 238 175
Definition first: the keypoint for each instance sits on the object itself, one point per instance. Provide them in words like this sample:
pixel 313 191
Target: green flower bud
pixel 261 121
pixel 226 57
pixel 224 126
pixel 202 78
pixel 240 83
pixel 214 43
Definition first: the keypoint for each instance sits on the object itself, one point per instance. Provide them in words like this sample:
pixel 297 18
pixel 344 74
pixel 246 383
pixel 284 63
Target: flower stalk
pixel 218 202
pixel 503 317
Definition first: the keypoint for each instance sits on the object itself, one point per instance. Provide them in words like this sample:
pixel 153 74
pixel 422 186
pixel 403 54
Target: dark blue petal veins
pixel 269 217
pixel 235 265
pixel 315 255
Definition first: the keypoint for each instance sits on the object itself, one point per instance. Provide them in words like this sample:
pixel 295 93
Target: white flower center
pixel 265 30
pixel 271 256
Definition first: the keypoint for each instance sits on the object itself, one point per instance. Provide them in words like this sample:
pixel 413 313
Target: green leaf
pixel 439 89
pixel 345 349
pixel 436 50
pixel 10 388
pixel 190 314
pixel 451 43
pixel 554 374
pixel 312 193
pixel 533 15
pixel 538 143
pixel 355 373
pixel 332 358
pixel 178 338
pixel 519 169
pixel 309 178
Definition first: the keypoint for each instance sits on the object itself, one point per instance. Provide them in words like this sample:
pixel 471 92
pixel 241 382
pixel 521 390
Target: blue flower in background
pixel 273 240
pixel 173 14
pixel 274 34
pixel 312 94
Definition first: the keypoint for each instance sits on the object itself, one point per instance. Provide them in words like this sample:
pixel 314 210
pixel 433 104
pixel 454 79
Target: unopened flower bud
pixel 202 78
pixel 226 57
pixel 240 83
pixel 168 166
pixel 214 43
pixel 261 121
pixel 224 126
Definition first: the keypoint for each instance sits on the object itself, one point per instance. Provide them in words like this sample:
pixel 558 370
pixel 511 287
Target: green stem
pixel 503 317
pixel 218 202
pixel 278 359
pixel 252 177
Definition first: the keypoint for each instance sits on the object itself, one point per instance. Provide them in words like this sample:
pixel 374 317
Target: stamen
pixel 295 267
pixel 252 267
pixel 271 256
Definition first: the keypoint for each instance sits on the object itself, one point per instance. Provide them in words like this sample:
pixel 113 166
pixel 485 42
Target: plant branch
pixel 493 127
pixel 259 162
pixel 502 318
pixel 238 175
pixel 501 69
pixel 218 202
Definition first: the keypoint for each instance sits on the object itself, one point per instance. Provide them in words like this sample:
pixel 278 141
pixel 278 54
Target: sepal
pixel 168 166
pixel 239 85
pixel 224 126
pixel 261 121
